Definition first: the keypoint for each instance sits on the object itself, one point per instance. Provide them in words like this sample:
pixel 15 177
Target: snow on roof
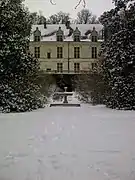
pixel 49 33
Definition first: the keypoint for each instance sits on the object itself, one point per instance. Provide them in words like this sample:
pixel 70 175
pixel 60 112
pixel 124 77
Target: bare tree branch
pixel 84 3
pixel 51 1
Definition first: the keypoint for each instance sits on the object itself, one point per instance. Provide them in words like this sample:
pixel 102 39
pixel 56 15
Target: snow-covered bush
pixel 19 91
pixel 119 54
pixel 91 87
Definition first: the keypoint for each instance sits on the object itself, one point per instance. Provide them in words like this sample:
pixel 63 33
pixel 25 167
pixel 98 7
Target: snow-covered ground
pixel 87 143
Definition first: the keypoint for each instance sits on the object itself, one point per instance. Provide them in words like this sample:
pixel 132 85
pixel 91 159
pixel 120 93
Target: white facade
pixel 66 50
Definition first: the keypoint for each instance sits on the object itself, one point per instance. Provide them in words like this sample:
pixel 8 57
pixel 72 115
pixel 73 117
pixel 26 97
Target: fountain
pixel 65 101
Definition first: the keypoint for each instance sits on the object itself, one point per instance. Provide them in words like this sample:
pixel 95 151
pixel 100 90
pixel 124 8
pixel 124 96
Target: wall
pixel 68 60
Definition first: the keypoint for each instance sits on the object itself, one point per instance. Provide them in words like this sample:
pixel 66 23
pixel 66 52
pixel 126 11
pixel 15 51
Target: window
pixel 94 38
pixel 48 69
pixel 37 52
pixel 76 52
pixel 94 52
pixel 37 38
pixel 59 38
pixel 48 55
pixel 76 67
pixel 59 67
pixel 76 38
pixel 59 52
pixel 94 65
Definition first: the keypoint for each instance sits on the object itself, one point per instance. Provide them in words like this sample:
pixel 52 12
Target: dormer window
pixel 94 35
pixel 60 38
pixel 94 38
pixel 77 35
pixel 59 35
pixel 36 38
pixel 37 35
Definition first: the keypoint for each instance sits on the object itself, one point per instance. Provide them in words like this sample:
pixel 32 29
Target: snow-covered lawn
pixel 87 143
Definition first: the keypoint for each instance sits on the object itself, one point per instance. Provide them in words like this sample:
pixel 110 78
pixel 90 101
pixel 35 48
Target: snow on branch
pixel 80 1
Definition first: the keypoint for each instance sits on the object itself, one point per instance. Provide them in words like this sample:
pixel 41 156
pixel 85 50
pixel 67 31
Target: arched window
pixel 77 35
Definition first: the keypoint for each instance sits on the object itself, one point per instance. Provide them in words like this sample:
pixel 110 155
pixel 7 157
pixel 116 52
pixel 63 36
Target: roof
pixel 49 33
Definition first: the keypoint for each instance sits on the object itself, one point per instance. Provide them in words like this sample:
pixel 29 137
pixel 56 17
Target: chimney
pixel 45 27
pixel 67 24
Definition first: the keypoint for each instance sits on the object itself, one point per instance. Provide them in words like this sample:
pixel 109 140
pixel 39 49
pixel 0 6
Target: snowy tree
pixel 18 69
pixel 46 81
pixel 119 54
pixel 37 18
pixel 90 85
pixel 34 17
pixel 60 17
pixel 85 16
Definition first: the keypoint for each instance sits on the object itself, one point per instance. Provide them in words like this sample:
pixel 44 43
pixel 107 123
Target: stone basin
pixel 65 101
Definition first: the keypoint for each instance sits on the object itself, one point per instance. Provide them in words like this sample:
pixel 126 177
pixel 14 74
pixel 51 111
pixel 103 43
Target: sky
pixel 96 6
